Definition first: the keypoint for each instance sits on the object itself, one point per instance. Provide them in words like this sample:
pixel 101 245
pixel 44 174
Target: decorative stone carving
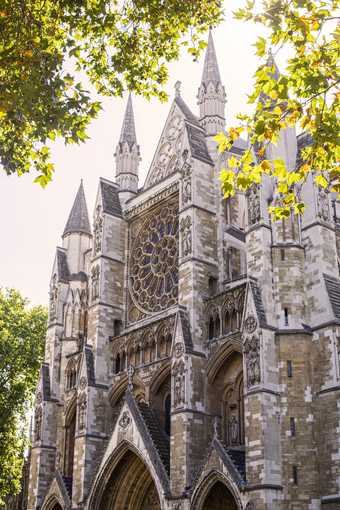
pixel 167 157
pixel 95 273
pixel 186 171
pixel 39 398
pixel 250 324
pixel 179 384
pixel 233 429
pixel 323 205
pixel 82 383
pixel 130 373
pixel 254 207
pixel 153 268
pixel 252 357
pixel 82 406
pixel 53 296
pixel 125 420
pixel 178 349
pixel 38 423
pixel 97 231
pixel 186 244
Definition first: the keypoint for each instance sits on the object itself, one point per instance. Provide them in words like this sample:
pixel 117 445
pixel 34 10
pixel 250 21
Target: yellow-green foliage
pixel 306 95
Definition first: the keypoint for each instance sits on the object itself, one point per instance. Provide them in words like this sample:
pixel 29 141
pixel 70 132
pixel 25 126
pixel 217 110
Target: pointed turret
pixel 211 94
pixel 127 154
pixel 78 220
pixel 77 234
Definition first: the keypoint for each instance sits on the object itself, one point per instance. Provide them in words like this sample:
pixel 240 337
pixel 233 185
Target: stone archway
pixel 130 486
pixel 219 498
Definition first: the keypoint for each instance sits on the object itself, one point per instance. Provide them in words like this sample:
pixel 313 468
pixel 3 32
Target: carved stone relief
pixel 250 324
pixel 254 208
pixel 186 171
pixel 82 406
pixel 252 358
pixel 97 231
pixel 95 281
pixel 168 155
pixel 125 420
pixel 323 205
pixel 178 349
pixel 38 423
pixel 186 242
pixel 53 296
pixel 179 384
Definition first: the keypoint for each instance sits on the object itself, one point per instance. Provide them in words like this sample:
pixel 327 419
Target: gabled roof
pixel 211 72
pixel 110 198
pixel 333 291
pixel 78 220
pixel 128 132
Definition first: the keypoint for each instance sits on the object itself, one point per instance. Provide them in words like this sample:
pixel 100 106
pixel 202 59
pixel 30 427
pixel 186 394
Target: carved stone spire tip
pixel 178 88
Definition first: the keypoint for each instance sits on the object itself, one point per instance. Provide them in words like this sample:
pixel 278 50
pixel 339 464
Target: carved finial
pixel 215 427
pixel 130 372
pixel 178 88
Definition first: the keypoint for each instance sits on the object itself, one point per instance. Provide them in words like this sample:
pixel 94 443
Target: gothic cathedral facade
pixel 192 352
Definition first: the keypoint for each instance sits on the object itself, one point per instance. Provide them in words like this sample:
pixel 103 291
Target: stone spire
pixel 127 154
pixel 78 220
pixel 211 72
pixel 128 133
pixel 211 94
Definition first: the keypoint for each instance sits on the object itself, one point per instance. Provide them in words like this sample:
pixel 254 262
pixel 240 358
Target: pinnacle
pixel 78 220
pixel 210 70
pixel 128 133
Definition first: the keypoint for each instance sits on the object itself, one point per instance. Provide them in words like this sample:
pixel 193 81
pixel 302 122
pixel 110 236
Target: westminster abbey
pixel 192 353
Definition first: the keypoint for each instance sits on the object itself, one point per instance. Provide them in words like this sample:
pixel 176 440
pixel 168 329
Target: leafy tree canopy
pixel 47 47
pixel 306 95
pixel 22 333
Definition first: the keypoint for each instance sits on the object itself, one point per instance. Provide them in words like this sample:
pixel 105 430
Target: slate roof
pixel 211 72
pixel 62 266
pixel 78 220
pixel 189 116
pixel 196 136
pixel 159 437
pixel 257 296
pixel 333 291
pixel 110 198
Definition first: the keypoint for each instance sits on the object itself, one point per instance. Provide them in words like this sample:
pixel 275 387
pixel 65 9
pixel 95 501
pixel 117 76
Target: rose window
pixel 154 261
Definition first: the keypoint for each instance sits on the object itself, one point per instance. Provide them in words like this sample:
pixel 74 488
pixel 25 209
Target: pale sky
pixel 33 218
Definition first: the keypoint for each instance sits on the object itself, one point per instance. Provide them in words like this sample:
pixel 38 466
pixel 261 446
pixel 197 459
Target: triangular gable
pixel 220 460
pixel 58 492
pixel 182 340
pixel 254 313
pixel 181 131
pixel 131 428
pixel 86 375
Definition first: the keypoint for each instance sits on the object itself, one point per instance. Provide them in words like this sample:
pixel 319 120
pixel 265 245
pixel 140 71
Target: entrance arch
pixel 128 486
pixel 219 498
pixel 216 492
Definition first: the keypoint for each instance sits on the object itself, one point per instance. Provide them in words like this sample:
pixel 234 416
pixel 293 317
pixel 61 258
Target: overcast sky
pixel 33 218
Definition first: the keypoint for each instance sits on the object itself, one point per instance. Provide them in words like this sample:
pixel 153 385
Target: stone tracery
pixel 153 274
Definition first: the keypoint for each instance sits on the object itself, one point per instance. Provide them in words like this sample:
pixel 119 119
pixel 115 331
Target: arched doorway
pixel 130 486
pixel 57 507
pixel 219 498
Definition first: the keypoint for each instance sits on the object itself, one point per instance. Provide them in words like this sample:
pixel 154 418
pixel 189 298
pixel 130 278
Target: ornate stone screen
pixel 153 261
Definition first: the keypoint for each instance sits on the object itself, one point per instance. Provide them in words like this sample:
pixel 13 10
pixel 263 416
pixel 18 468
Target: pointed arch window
pixel 167 414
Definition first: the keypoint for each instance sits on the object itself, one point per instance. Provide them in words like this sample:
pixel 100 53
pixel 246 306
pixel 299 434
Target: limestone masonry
pixel 192 352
